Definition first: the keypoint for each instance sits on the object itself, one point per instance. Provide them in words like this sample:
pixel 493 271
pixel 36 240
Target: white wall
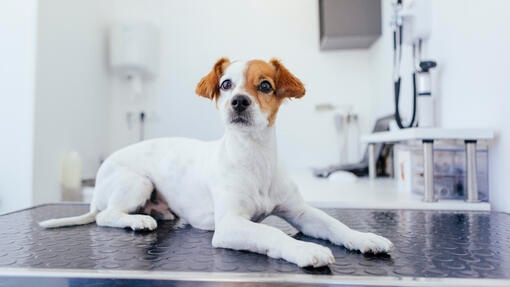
pixel 470 40
pixel 196 33
pixel 78 108
pixel 74 106
pixel 72 89
pixel 17 72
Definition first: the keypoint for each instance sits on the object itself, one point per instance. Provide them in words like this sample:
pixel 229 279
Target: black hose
pixel 398 119
pixel 400 28
pixel 394 41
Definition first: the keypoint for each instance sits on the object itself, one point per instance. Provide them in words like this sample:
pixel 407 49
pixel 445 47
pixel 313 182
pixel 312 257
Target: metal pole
pixel 471 180
pixel 428 171
pixel 371 161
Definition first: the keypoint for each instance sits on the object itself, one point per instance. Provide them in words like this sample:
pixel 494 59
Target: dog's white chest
pixel 264 207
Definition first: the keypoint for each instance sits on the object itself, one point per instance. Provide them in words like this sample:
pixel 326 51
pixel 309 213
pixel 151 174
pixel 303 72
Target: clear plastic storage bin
pixel 449 170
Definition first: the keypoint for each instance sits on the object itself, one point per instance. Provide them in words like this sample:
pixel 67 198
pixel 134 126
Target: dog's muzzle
pixel 242 118
pixel 240 112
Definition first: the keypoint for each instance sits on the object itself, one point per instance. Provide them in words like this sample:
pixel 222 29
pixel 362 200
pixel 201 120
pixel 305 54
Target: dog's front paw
pixel 311 254
pixel 139 222
pixel 367 242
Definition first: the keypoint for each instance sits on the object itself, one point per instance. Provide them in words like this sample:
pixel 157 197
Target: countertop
pixel 381 193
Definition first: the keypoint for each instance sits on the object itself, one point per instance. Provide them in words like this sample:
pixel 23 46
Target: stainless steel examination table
pixel 432 248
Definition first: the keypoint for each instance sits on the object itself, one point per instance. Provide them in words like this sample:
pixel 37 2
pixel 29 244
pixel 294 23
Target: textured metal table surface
pixel 429 244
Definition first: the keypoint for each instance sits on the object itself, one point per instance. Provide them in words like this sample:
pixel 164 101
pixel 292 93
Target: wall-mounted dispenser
pixel 416 20
pixel 134 52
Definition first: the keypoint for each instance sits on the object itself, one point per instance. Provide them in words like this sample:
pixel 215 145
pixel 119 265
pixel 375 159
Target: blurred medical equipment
pixel 361 168
pixel 411 25
pixel 347 131
pixel 134 57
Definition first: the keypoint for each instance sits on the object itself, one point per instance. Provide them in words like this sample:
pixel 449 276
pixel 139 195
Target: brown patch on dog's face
pixel 271 83
pixel 208 86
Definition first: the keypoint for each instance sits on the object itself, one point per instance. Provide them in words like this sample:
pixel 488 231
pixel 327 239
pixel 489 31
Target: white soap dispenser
pixel 425 101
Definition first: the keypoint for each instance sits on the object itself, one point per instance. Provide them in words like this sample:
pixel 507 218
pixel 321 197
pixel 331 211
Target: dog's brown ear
pixel 287 85
pixel 208 86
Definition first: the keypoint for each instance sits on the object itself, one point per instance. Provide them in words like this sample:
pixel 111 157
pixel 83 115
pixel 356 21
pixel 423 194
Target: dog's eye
pixel 226 85
pixel 265 87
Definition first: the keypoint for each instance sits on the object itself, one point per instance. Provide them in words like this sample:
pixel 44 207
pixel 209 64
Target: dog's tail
pixel 69 221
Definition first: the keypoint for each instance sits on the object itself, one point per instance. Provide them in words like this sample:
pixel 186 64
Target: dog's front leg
pixel 237 232
pixel 316 223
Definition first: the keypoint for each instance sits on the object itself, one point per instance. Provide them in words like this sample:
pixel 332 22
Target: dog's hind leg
pixel 130 191
pixel 116 218
pixel 157 207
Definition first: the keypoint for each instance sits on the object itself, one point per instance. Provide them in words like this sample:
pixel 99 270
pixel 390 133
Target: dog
pixel 227 186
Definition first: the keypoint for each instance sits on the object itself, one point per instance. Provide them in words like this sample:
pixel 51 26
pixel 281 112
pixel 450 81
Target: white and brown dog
pixel 228 185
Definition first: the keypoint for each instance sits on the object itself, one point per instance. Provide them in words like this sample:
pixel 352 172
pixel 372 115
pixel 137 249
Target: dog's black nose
pixel 240 103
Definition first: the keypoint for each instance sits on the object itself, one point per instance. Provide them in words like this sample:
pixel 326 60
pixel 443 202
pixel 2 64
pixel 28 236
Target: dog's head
pixel 249 94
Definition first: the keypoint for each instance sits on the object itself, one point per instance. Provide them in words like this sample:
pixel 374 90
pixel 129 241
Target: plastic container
pixel 449 170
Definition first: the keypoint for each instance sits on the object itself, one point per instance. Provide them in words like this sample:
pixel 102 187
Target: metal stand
pixel 428 171
pixel 471 171
pixel 371 161
pixel 428 136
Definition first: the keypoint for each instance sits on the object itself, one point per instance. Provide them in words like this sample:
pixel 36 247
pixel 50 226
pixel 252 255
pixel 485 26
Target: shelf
pixel 429 134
